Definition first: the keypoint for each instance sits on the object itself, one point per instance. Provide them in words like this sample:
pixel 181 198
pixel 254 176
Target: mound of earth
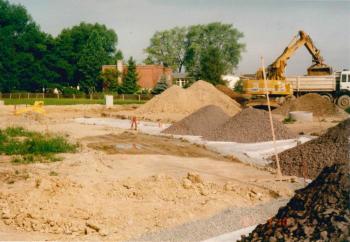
pixel 250 126
pixel 176 103
pixel 319 212
pixel 311 102
pixel 310 158
pixel 200 122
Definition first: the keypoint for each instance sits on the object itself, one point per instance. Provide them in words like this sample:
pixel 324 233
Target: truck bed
pixel 312 83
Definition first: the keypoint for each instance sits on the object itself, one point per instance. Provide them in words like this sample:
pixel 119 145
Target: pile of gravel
pixel 232 94
pixel 200 122
pixel 311 102
pixel 310 158
pixel 319 212
pixel 250 126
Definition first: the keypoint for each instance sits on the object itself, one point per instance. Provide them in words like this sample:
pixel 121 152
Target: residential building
pixel 148 75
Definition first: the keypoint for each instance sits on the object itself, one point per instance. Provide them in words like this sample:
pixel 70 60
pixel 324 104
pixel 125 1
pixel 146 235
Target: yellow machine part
pixel 38 107
pixel 274 87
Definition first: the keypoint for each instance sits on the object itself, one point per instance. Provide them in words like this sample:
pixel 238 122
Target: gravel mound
pixel 311 157
pixel 319 212
pixel 250 126
pixel 311 102
pixel 200 122
pixel 176 103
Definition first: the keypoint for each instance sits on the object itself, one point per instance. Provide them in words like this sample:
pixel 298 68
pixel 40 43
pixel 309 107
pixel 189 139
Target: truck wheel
pixel 344 101
pixel 328 97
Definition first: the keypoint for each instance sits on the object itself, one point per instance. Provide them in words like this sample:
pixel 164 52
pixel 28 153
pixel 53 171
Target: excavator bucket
pixel 319 70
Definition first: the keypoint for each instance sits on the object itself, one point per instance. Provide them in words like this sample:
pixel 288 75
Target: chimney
pixel 120 70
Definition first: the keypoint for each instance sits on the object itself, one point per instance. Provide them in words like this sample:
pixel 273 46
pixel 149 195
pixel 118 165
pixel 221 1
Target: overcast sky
pixel 268 25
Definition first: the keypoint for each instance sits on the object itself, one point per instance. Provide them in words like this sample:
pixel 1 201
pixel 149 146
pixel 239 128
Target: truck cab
pixel 344 82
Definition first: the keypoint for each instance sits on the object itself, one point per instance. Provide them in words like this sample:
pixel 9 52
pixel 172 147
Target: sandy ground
pixel 110 190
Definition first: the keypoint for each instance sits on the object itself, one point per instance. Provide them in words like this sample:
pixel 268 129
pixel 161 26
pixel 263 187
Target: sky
pixel 268 25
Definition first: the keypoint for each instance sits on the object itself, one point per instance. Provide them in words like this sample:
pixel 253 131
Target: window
pixel 343 78
pixel 349 78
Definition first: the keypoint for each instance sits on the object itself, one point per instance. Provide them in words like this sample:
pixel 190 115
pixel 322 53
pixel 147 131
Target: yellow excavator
pixel 277 85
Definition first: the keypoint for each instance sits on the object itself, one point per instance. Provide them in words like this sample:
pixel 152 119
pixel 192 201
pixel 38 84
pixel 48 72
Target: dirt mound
pixel 311 157
pixel 311 102
pixel 249 126
pixel 232 94
pixel 175 103
pixel 116 209
pixel 319 212
pixel 200 122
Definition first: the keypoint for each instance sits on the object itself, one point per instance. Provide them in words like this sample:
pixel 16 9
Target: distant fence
pixel 29 95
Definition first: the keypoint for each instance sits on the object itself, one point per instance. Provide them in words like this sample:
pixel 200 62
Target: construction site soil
pixel 249 126
pixel 176 103
pixel 200 122
pixel 319 212
pixel 311 102
pixel 308 159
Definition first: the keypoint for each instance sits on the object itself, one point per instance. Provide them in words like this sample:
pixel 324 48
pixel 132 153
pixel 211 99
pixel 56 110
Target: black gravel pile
pixel 308 159
pixel 200 123
pixel 319 212
pixel 250 126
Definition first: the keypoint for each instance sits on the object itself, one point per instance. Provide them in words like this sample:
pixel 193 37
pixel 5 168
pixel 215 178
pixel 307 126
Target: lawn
pixel 68 101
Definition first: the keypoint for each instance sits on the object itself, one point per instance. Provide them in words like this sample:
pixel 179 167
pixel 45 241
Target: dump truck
pixel 335 88
pixel 320 78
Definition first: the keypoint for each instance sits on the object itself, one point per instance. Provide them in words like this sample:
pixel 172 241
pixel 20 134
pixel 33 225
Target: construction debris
pixel 250 126
pixel 319 212
pixel 308 159
pixel 200 122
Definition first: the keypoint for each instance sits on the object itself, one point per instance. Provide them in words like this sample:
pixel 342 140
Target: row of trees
pixel 204 51
pixel 31 59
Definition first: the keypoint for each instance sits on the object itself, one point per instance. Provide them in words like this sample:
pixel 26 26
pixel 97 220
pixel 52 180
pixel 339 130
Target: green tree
pixel 24 51
pixel 184 47
pixel 129 85
pixel 92 57
pixel 71 44
pixel 161 86
pixel 168 48
pixel 211 66
pixel 224 38
pixel 110 80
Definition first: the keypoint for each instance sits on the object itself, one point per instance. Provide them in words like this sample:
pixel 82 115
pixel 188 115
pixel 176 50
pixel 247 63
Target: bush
pixel 161 86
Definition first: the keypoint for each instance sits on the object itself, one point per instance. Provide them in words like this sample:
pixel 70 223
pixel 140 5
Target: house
pixel 181 79
pixel 148 75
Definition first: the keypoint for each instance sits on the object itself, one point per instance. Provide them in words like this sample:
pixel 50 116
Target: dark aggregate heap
pixel 319 212
pixel 311 157
pixel 200 123
pixel 250 126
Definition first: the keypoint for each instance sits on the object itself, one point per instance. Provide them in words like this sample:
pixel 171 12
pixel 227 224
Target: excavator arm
pixel 276 71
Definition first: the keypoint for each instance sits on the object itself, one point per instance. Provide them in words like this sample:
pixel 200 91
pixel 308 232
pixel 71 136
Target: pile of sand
pixel 200 122
pixel 311 157
pixel 249 126
pixel 176 103
pixel 319 212
pixel 311 102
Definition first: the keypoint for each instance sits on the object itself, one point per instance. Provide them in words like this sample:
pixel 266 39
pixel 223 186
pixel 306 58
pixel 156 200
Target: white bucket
pixel 301 116
pixel 109 100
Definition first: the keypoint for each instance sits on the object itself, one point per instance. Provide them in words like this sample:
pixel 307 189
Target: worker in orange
pixel 134 122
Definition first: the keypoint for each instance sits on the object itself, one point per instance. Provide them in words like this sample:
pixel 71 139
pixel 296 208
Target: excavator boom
pixel 276 71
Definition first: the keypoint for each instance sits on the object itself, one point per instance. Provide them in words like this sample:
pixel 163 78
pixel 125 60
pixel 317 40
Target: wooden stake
pixel 279 173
